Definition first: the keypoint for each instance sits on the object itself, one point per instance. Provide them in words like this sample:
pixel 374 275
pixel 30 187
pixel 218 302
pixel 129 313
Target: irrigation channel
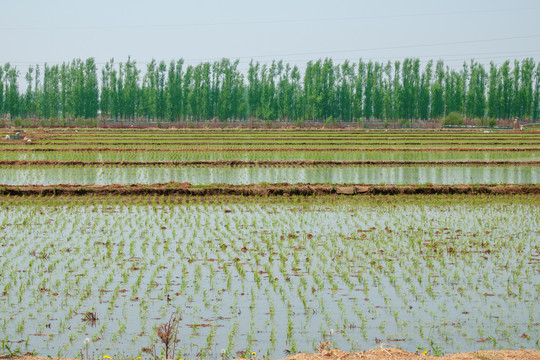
pixel 440 273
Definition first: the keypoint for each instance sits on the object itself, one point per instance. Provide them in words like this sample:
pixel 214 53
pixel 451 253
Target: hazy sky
pixel 54 31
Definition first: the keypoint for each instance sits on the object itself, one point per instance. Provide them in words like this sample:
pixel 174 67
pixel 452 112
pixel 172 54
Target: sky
pixel 296 31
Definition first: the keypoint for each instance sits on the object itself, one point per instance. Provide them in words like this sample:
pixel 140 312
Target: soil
pixel 386 354
pixel 284 189
pixel 123 149
pixel 398 354
pixel 268 163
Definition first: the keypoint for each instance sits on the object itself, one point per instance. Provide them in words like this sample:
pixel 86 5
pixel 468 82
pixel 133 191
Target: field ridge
pixel 283 189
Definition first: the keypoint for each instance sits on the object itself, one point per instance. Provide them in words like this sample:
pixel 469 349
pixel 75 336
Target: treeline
pixel 323 91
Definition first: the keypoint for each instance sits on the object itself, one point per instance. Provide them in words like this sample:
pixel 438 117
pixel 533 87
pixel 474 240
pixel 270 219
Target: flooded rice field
pixel 204 175
pixel 452 274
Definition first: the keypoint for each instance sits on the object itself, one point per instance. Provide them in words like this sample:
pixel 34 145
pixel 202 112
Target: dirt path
pixel 397 354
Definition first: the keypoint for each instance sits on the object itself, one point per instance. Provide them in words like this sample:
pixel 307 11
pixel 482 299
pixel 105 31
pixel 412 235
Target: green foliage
pixel 454 118
pixel 299 123
pixel 330 121
pixel 404 123
pixel 485 122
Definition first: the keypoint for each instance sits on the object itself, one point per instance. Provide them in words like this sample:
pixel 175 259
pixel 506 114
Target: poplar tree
pixel 91 92
pixel 65 90
pixel 130 91
pixel 29 100
pixel 161 105
pixel 298 102
pixel 424 97
pixel 536 94
pixel 149 99
pixel 174 90
pixel 368 90
pixel 51 92
pixel 378 92
pixel 506 91
pixel 389 94
pixel 11 90
pixel 285 92
pixel 525 92
pixel 254 90
pixel 476 100
pixel 493 106
pixel 347 91
pixel 358 96
pixel 107 92
pixel 397 89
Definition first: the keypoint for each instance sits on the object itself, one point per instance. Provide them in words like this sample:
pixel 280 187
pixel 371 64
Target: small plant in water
pixel 90 317
pixel 168 334
pixel 436 349
pixel 5 347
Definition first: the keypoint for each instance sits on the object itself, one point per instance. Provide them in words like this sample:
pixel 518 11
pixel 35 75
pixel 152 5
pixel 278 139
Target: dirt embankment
pixel 263 189
pixel 384 354
pixel 264 163
pixel 398 354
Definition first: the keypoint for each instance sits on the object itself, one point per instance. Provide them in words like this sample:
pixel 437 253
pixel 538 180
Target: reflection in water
pixel 248 175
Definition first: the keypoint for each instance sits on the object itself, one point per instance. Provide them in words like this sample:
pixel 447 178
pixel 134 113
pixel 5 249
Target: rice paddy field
pixel 258 276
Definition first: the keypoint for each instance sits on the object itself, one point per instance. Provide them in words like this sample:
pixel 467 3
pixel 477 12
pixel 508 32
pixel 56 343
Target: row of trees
pixel 322 91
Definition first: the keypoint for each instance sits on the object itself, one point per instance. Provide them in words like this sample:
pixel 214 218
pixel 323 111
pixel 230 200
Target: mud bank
pixel 265 190
pixel 32 148
pixel 266 163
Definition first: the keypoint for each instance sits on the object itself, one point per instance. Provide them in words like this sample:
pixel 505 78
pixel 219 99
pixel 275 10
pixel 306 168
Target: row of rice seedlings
pixel 283 134
pixel 289 144
pixel 287 136
pixel 104 156
pixel 295 146
pixel 262 148
pixel 237 273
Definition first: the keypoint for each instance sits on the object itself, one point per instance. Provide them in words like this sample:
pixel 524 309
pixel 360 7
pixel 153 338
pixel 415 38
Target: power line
pixel 374 48
pixel 444 57
pixel 262 22
pixel 434 57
